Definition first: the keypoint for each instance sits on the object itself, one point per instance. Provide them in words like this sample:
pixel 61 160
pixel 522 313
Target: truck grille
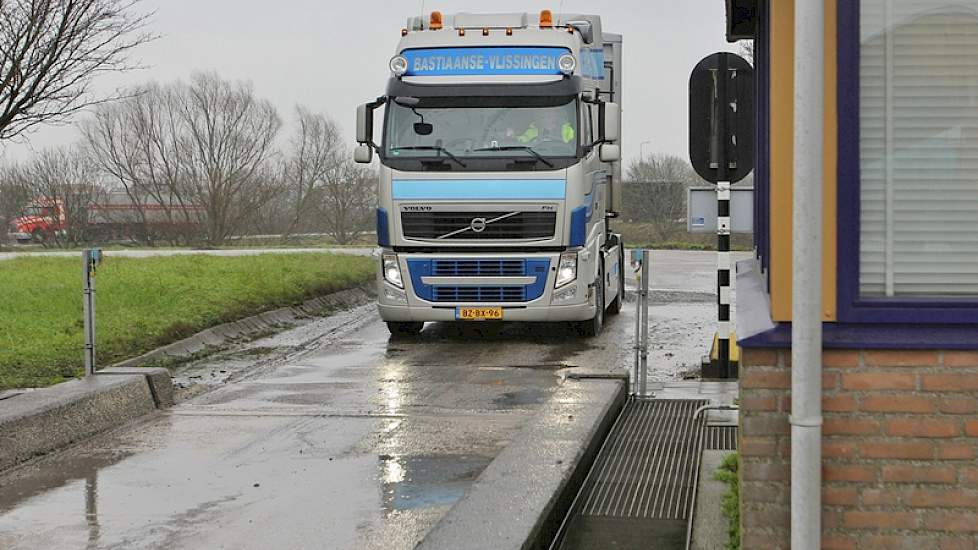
pixel 462 268
pixel 458 225
pixel 480 293
pixel 478 268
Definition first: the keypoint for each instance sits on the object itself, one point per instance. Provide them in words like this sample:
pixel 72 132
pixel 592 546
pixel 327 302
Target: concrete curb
pixel 158 379
pixel 221 335
pixel 521 498
pixel 709 523
pixel 48 419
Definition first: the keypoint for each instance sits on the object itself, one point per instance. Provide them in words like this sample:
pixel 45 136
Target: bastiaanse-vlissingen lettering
pixel 481 62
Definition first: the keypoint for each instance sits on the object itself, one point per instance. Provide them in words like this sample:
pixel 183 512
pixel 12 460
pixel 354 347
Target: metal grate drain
pixel 721 438
pixel 648 466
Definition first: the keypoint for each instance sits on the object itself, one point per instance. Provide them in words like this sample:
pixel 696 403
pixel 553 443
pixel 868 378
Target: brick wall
pixel 899 449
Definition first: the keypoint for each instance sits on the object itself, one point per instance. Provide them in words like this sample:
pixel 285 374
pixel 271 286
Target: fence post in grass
pixel 90 260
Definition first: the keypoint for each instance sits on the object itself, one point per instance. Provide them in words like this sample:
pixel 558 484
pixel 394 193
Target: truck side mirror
pixel 609 152
pixel 612 122
pixel 363 154
pixel 365 123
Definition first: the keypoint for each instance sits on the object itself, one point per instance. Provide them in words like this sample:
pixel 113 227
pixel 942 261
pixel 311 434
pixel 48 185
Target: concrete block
pixel 158 378
pixel 48 419
pixel 520 499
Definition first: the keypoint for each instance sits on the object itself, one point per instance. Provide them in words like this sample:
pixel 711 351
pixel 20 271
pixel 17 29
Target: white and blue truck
pixel 500 171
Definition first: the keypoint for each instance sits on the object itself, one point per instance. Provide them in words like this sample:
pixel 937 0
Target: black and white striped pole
pixel 721 162
pixel 723 279
pixel 721 139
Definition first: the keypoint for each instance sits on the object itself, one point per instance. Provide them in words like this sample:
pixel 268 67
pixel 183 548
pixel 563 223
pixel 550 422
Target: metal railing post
pixel 644 314
pixel 638 331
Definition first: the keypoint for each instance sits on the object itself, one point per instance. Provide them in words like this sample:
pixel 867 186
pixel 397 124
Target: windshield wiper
pixel 430 148
pixel 526 148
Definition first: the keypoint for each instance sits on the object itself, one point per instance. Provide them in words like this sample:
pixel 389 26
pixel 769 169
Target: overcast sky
pixel 330 55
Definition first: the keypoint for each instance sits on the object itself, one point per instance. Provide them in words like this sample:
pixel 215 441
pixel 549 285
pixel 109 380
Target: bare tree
pixel 136 144
pixel 316 156
pixel 63 184
pixel 13 197
pixel 228 142
pixel 50 52
pixel 655 193
pixel 346 202
pixel 205 149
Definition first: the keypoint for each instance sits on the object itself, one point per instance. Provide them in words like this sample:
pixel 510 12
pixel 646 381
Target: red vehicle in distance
pixel 115 216
pixel 40 220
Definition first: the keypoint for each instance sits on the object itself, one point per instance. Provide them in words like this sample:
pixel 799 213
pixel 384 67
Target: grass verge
pixel 146 303
pixel 730 504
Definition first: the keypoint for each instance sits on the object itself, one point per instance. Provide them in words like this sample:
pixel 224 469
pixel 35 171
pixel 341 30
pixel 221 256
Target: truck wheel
pixel 592 327
pixel 406 328
pixel 37 236
pixel 615 307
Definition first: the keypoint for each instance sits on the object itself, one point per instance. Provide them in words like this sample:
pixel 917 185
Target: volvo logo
pixel 478 225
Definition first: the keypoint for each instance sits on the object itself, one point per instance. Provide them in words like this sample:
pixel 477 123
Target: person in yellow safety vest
pixel 549 129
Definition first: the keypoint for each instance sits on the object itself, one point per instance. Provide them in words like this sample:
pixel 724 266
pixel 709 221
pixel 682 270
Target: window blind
pixel 918 148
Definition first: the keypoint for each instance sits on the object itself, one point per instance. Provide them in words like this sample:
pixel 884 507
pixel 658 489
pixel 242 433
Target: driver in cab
pixel 549 128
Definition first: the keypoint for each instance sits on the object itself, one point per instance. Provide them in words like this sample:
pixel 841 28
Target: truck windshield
pixel 534 128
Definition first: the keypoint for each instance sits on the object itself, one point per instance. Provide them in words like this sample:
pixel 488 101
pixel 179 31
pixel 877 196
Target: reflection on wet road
pixel 361 442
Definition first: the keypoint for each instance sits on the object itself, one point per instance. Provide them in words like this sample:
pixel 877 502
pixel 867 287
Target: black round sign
pixel 721 118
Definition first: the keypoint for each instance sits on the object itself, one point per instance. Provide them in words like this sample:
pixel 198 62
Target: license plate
pixel 479 313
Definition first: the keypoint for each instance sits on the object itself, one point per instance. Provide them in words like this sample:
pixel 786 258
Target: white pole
pixel 806 302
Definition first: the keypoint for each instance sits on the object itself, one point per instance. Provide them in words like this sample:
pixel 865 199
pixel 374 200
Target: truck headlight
pixel 392 271
pixel 398 65
pixel 566 269
pixel 566 63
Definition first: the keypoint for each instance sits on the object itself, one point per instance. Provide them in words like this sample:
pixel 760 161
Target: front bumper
pixel 579 312
pixel 422 303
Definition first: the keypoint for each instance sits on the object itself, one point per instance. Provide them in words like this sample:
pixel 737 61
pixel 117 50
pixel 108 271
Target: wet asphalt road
pixel 347 440
pixel 359 443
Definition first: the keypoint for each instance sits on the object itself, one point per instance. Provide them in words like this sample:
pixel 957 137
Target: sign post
pixel 91 257
pixel 721 150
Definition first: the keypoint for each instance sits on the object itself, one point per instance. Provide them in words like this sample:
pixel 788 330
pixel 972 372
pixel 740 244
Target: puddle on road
pixel 410 482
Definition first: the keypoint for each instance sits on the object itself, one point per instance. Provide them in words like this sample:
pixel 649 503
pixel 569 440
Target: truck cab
pixel 38 221
pixel 500 171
